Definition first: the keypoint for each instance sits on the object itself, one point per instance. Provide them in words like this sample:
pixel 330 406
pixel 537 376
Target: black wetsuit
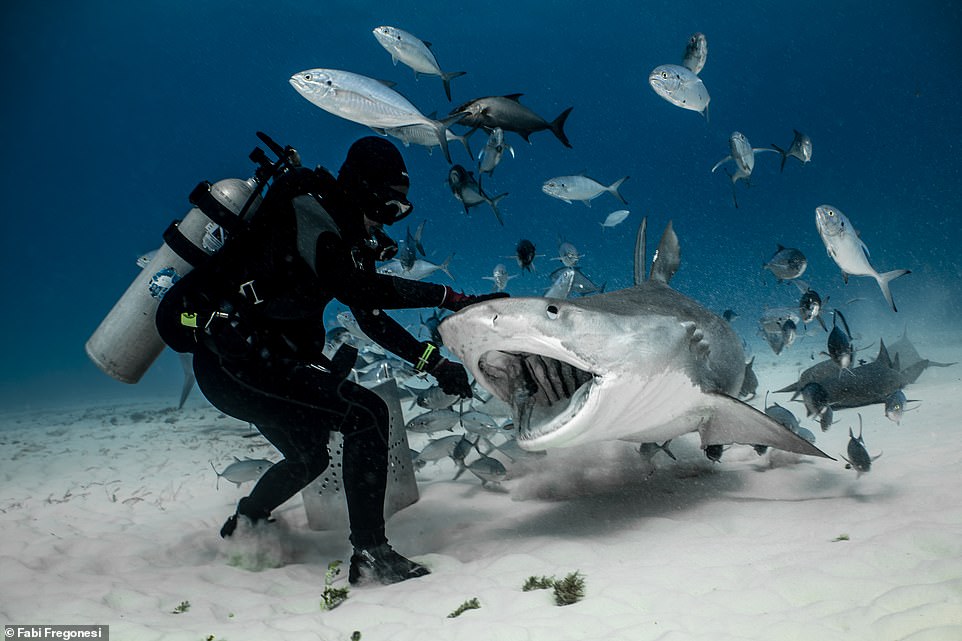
pixel 311 250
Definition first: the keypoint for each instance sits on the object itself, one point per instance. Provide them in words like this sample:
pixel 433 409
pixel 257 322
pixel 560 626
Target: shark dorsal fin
pixel 667 257
pixel 640 252
pixel 883 355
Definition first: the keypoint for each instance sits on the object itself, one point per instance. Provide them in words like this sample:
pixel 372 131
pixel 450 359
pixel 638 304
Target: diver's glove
pixel 451 377
pixel 456 301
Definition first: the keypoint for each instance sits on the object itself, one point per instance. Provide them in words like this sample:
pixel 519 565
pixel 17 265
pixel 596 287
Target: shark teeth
pixel 544 393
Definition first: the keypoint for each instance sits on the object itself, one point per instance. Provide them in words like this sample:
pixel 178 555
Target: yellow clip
pixel 188 319
pixel 423 361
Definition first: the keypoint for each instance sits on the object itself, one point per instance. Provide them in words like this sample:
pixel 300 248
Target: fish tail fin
pixel 464 141
pixel 557 127
pixel 446 79
pixel 447 263
pixel 783 153
pixel 613 188
pixel 664 448
pixel 217 484
pixel 883 283
pixel 441 127
pixel 494 206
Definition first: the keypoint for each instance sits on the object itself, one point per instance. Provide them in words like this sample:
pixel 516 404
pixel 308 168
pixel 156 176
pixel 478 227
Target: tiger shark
pixel 643 364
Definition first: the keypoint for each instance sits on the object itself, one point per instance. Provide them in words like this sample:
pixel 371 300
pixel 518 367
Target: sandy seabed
pixel 110 515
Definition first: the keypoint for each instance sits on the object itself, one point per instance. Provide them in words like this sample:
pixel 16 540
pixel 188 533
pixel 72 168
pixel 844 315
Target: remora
pixel 643 364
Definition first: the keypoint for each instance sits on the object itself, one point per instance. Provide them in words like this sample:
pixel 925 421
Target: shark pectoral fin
pixel 732 421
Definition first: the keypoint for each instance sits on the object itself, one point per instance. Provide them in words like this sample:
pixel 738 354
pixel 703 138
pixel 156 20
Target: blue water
pixel 113 111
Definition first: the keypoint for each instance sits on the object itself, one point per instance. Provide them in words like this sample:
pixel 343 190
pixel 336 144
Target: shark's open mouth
pixel 544 393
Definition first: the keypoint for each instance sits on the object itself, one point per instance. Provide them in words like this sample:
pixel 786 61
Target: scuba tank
pixel 127 342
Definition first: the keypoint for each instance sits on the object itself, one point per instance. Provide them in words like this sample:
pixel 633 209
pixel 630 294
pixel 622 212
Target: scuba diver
pixel 258 357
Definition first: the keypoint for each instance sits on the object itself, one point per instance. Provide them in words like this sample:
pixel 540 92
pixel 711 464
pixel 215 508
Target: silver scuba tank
pixel 127 342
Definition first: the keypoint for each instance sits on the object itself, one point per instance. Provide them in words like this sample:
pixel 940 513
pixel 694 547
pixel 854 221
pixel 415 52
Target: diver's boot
pixel 253 515
pixel 229 526
pixel 381 563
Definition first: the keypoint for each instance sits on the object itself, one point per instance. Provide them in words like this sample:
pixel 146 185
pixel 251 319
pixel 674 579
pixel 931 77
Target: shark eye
pixel 551 312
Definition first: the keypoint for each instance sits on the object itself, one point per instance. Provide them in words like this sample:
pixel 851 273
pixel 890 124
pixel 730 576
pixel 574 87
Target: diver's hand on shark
pixel 452 378
pixel 456 301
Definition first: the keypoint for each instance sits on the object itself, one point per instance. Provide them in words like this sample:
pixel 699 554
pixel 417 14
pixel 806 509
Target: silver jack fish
pixel 681 87
pixel 415 53
pixel 849 252
pixel 425 136
pixel 499 276
pixel 696 53
pixel 508 113
pixel 468 190
pixel 366 101
pixel 800 148
pixel 742 154
pixel 570 188
pixel 494 149
pixel 242 471
pixel 786 263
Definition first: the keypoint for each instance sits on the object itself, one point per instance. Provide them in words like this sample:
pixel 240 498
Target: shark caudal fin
pixel 735 422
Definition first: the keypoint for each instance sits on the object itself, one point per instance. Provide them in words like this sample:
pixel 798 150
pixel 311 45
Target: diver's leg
pixel 289 406
pixel 366 428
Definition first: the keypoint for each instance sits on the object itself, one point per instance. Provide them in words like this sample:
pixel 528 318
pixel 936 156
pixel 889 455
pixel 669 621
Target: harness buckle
pixel 247 291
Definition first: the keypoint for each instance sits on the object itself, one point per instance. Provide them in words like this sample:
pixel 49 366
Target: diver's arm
pixel 363 289
pixel 389 334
